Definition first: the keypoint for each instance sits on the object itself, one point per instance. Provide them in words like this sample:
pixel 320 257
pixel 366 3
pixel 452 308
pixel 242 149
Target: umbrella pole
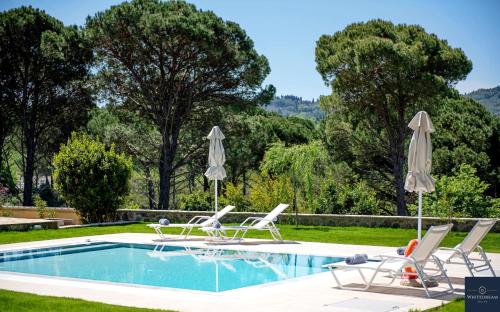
pixel 419 215
pixel 216 203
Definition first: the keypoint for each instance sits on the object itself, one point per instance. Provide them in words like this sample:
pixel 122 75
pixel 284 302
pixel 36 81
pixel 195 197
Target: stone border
pixel 181 216
pixel 22 224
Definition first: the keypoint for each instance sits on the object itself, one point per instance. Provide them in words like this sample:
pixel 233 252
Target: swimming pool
pixel 213 270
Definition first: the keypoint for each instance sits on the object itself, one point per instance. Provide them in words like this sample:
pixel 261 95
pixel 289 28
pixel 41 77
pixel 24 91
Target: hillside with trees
pixel 290 105
pixel 490 98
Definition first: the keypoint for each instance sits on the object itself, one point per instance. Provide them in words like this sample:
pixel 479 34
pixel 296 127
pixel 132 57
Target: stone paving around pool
pixel 311 293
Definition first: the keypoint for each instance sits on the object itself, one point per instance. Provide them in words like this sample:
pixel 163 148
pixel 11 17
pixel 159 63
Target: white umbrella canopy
pixel 419 177
pixel 216 159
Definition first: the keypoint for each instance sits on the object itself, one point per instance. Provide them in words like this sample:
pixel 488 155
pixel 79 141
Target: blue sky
pixel 286 31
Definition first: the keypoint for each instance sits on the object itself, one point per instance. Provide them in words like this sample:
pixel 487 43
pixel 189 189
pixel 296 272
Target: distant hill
pixel 290 105
pixel 490 98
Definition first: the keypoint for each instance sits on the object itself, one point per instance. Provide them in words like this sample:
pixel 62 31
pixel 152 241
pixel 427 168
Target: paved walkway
pixel 311 293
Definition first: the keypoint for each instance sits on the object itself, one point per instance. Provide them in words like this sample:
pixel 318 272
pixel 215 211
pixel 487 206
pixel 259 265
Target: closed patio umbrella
pixel 419 177
pixel 216 160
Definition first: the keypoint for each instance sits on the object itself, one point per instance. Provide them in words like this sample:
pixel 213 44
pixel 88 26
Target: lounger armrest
pixel 253 219
pixel 198 219
pixel 448 248
pixel 385 258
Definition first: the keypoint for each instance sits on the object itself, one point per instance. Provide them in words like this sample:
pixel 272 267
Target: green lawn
pixel 341 235
pixel 12 301
pixel 457 305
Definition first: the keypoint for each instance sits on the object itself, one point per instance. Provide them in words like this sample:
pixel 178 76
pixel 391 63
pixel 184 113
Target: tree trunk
pixel 29 169
pixel 166 166
pixel 150 186
pixel 398 158
pixel 295 207
pixel 206 184
pixel 2 142
pixel 174 189
pixel 165 171
pixel 244 182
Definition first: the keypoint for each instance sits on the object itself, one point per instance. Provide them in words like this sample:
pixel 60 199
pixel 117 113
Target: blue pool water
pixel 175 267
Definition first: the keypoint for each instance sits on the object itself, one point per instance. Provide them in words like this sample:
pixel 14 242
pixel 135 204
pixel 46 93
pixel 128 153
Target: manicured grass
pixel 340 235
pixel 12 301
pixel 457 305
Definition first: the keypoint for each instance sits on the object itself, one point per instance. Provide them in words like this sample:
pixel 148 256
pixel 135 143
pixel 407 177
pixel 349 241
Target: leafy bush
pixel 91 179
pixel 267 194
pixel 41 208
pixel 196 201
pixel 355 198
pixel 460 195
pixel 234 196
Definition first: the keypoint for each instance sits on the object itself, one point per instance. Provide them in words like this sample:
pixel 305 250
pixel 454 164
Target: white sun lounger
pixel 195 222
pixel 394 265
pixel 470 243
pixel 254 223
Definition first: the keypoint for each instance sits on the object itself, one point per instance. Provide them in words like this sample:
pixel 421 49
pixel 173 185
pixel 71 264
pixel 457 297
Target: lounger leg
pixel 182 232
pixel 275 232
pixel 423 278
pixel 367 283
pixel 445 275
pixel 235 234
pixel 188 232
pixel 485 258
pixel 159 232
pixel 467 262
pixel 244 233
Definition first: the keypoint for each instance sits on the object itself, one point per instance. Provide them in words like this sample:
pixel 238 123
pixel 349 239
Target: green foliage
pixel 41 208
pixel 233 195
pixel 268 193
pixel 196 201
pixel 382 74
pixel 490 98
pixel 171 63
pixel 44 70
pixel 355 198
pixel 100 120
pixel 460 195
pixel 303 165
pixel 49 195
pixel 466 133
pixel 134 136
pixel 91 179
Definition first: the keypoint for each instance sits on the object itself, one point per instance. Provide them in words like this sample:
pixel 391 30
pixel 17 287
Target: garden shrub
pixel 233 195
pixel 268 193
pixel 460 195
pixel 356 198
pixel 92 179
pixel 196 201
pixel 41 208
